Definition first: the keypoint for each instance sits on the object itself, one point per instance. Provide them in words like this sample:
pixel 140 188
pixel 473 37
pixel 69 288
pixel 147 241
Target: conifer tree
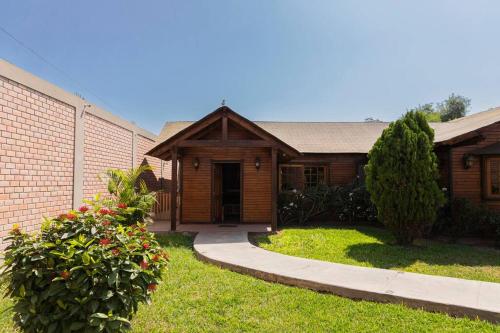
pixel 402 176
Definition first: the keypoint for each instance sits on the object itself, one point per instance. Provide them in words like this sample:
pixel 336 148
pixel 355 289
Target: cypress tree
pixel 401 176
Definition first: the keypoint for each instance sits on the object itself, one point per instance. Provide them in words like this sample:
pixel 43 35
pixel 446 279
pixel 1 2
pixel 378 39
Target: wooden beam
pixel 227 143
pixel 274 190
pixel 224 128
pixel 173 191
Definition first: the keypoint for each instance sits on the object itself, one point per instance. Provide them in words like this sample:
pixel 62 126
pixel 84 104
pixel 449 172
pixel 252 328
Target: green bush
pixel 84 271
pixel 462 218
pixel 402 175
pixel 352 203
pixel 131 191
pixel 299 207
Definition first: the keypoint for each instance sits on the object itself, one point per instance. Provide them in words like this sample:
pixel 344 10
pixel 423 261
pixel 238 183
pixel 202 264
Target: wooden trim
pixel 181 187
pixel 173 191
pixel 224 128
pixel 274 189
pixel 161 150
pixel 486 178
pixel 225 143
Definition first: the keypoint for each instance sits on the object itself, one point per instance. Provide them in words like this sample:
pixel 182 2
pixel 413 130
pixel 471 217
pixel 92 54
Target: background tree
pixel 429 112
pixel 402 175
pixel 454 107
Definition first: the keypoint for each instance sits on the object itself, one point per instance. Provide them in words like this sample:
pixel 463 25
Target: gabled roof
pixel 350 137
pixel 170 137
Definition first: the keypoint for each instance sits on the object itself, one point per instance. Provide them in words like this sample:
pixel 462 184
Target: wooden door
pixel 217 193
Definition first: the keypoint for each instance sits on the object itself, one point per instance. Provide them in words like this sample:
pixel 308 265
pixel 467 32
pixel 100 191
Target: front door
pixel 226 192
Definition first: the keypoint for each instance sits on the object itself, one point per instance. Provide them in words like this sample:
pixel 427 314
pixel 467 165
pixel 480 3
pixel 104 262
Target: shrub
pixel 296 207
pixel 127 188
pixel 402 175
pixel 351 203
pixel 85 271
pixel 462 218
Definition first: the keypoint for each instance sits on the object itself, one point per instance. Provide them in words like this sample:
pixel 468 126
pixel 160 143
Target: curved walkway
pixel 231 249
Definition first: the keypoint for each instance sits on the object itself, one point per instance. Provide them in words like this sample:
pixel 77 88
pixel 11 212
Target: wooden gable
pixel 222 128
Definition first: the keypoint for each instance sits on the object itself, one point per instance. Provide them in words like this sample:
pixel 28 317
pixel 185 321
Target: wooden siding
pixel 466 183
pixel 342 169
pixel 197 183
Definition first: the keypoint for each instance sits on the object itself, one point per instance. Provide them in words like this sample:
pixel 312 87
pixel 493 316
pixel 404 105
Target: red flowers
pixel 122 205
pixel 105 223
pixel 65 275
pixel 70 216
pixel 152 287
pixel 142 230
pixel 112 213
pixel 105 241
pixel 83 209
pixel 145 246
pixel 115 251
pixel 63 217
pixel 104 211
pixel 156 257
pixel 144 264
pixel 130 233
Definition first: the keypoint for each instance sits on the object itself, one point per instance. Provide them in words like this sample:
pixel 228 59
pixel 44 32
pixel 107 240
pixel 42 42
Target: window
pixel 492 182
pixel 299 177
pixel 314 176
pixel 290 177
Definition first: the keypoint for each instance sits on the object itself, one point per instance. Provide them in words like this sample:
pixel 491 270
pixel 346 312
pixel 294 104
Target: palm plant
pixel 131 192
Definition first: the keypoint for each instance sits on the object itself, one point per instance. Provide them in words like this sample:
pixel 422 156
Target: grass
pixel 197 297
pixel 372 247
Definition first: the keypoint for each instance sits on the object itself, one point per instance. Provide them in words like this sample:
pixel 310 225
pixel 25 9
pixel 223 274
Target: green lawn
pixel 371 247
pixel 197 297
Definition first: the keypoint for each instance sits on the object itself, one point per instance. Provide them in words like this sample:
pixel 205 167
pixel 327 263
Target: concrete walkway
pixel 231 249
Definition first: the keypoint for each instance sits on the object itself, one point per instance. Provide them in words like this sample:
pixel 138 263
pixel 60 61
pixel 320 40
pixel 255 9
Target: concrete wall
pixel 53 145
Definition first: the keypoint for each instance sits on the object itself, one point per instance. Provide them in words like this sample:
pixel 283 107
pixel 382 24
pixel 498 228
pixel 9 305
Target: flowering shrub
pixel 85 271
pixel 296 207
pixel 351 203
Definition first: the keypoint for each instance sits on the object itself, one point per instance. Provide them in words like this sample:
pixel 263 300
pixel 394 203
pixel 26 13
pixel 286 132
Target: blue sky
pixel 153 61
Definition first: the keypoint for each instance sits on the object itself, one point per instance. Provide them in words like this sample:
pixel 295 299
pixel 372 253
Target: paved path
pixel 231 249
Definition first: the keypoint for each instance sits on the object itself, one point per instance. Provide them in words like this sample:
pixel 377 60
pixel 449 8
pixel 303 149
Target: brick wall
pixel 157 179
pixel 51 151
pixel 106 145
pixel 36 156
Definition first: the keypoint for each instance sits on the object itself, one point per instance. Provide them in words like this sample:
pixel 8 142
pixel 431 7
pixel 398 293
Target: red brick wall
pixel 36 156
pixel 106 145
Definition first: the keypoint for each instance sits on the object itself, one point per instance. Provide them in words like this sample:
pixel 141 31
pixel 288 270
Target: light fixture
pixel 257 163
pixel 468 159
pixel 196 163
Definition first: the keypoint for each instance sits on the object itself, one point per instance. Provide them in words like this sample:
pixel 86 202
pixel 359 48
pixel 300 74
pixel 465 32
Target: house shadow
pixel 153 182
pixel 388 255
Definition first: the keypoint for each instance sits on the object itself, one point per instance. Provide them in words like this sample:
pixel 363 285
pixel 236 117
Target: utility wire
pixel 39 56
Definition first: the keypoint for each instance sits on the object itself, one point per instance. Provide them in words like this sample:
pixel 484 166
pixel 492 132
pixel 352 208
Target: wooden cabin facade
pixel 228 169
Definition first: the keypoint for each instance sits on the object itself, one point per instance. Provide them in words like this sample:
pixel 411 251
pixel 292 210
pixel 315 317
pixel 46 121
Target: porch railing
pixel 161 209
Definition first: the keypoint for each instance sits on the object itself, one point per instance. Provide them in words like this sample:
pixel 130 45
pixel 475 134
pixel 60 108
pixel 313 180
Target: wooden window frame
pixel 486 179
pixel 302 173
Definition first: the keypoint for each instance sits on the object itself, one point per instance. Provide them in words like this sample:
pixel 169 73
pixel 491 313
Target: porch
pixel 224 170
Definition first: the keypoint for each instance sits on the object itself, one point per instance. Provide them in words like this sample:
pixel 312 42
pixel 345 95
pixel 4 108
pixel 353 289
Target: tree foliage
pixel 429 112
pixel 454 107
pixel 402 175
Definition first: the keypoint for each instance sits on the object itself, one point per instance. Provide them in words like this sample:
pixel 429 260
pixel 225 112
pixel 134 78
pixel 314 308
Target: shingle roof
pixel 347 137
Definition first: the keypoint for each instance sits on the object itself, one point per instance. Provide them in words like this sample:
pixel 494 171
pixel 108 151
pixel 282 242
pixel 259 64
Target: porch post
pixel 173 191
pixel 274 190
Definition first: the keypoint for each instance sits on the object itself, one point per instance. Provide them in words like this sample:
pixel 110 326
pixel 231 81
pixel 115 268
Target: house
pixel 230 169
